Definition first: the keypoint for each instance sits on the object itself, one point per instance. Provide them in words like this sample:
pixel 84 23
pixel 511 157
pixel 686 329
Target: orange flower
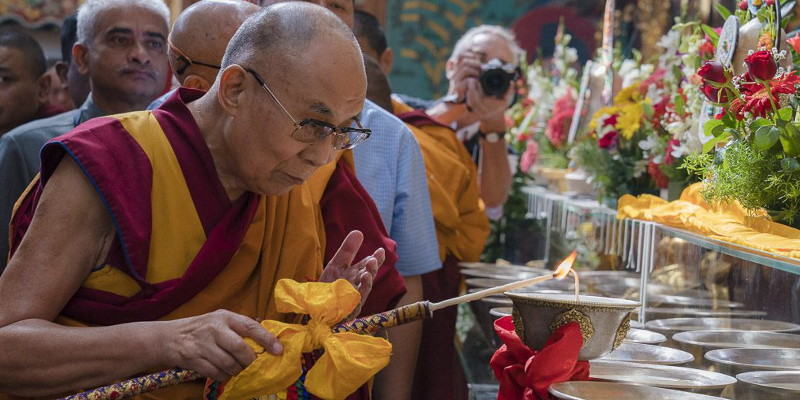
pixel 794 42
pixel 765 41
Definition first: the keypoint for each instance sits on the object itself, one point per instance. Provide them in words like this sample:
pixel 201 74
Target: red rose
pixel 609 140
pixel 762 65
pixel 715 95
pixel 743 5
pixel 713 71
pixel 769 3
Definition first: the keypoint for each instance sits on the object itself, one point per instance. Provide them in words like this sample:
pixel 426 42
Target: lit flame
pixel 565 266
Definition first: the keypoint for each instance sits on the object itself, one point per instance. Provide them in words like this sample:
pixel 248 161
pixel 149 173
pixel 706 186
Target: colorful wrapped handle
pixel 159 380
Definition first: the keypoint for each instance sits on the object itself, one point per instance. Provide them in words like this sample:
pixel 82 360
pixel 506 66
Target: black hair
pixel 368 27
pixel 29 47
pixel 69 35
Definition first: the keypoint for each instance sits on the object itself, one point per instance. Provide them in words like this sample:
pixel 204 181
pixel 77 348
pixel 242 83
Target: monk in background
pixel 153 239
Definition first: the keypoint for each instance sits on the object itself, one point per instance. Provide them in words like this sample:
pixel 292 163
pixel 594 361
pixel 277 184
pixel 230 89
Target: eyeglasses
pixel 180 56
pixel 312 130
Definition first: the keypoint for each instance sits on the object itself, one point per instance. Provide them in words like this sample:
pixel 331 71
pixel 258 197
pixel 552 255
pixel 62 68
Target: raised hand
pixel 360 275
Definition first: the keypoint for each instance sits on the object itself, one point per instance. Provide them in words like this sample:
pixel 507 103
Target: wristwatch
pixel 492 137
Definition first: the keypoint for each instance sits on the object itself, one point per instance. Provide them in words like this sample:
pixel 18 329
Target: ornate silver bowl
pixel 604 322
pixel 667 377
pixel 589 390
pixel 736 361
pixel 773 385
pixel 699 342
pixel 649 354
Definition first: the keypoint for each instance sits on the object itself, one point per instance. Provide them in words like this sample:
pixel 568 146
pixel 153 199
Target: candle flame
pixel 565 266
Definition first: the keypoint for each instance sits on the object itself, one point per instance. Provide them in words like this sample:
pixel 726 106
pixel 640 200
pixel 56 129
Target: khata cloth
pixel 728 222
pixel 525 374
pixel 350 359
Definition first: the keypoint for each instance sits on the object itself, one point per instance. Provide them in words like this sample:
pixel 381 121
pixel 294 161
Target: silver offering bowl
pixel 589 390
pixel 737 361
pixel 700 342
pixel 644 336
pixel 671 326
pixel 648 354
pixel 529 264
pixel 773 385
pixel 604 322
pixel 663 376
pixel 652 313
pixel 506 274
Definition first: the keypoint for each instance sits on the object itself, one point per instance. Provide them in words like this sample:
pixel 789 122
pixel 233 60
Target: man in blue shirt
pixel 122 47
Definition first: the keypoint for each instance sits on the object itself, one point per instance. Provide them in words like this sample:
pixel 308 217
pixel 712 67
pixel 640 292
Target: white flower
pixel 639 168
pixel 670 42
pixel 648 144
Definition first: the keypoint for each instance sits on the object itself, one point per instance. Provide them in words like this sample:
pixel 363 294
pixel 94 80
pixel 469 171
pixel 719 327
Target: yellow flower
pixel 628 95
pixel 600 113
pixel 629 120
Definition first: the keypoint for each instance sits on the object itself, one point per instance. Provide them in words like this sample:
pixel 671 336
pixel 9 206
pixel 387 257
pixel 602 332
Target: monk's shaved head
pixel 202 32
pixel 284 30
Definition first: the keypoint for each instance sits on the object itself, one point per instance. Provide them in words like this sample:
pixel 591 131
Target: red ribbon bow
pixel 525 374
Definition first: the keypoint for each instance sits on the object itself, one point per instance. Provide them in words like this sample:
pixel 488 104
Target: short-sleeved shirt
pixel 19 158
pixel 390 166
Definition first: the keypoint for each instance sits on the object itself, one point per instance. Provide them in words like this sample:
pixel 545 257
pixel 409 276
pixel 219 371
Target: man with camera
pixel 482 71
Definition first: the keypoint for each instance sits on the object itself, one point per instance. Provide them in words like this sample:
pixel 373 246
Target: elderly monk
pixel 343 202
pixel 461 228
pixel 24 84
pixel 122 49
pixel 147 242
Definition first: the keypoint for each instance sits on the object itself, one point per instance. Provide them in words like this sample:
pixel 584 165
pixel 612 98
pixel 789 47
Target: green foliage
pixel 758 179
pixel 615 175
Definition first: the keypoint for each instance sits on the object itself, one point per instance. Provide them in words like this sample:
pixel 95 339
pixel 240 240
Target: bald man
pixel 143 224
pixel 199 37
pixel 24 86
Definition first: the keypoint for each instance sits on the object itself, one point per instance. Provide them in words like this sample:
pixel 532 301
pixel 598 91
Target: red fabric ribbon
pixel 525 374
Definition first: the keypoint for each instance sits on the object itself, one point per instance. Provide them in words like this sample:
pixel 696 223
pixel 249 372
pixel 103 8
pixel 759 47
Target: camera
pixel 496 77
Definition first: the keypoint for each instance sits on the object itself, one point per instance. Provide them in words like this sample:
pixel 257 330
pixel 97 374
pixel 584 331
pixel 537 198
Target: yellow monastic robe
pixel 458 210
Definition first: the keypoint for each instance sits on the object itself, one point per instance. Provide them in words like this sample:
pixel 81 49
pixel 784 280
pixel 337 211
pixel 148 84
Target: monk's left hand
pixel 360 275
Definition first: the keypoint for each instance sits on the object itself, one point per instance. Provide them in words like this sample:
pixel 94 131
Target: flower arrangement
pixel 757 135
pixel 540 123
pixel 613 157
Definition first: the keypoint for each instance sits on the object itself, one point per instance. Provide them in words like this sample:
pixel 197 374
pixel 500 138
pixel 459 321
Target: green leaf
pixel 790 140
pixel 766 137
pixel 723 11
pixel 728 120
pixel 711 144
pixel 785 114
pixel 711 125
pixel 790 164
pixel 648 109
pixel 677 100
pixel 759 123
pixel 712 34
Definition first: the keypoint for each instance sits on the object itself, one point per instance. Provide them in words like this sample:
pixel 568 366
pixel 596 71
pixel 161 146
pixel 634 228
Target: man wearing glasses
pixel 143 224
pixel 338 195
pixel 121 47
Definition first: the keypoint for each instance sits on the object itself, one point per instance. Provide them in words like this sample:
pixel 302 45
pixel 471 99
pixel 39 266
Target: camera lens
pixel 495 82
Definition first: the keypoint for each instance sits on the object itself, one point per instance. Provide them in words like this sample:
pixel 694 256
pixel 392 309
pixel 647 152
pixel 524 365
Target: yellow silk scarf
pixel 348 362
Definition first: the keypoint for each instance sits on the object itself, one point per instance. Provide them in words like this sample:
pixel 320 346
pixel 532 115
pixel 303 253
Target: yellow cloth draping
pixel 349 360
pixel 727 222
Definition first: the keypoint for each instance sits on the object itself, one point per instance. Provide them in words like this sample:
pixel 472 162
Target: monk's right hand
pixel 212 344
